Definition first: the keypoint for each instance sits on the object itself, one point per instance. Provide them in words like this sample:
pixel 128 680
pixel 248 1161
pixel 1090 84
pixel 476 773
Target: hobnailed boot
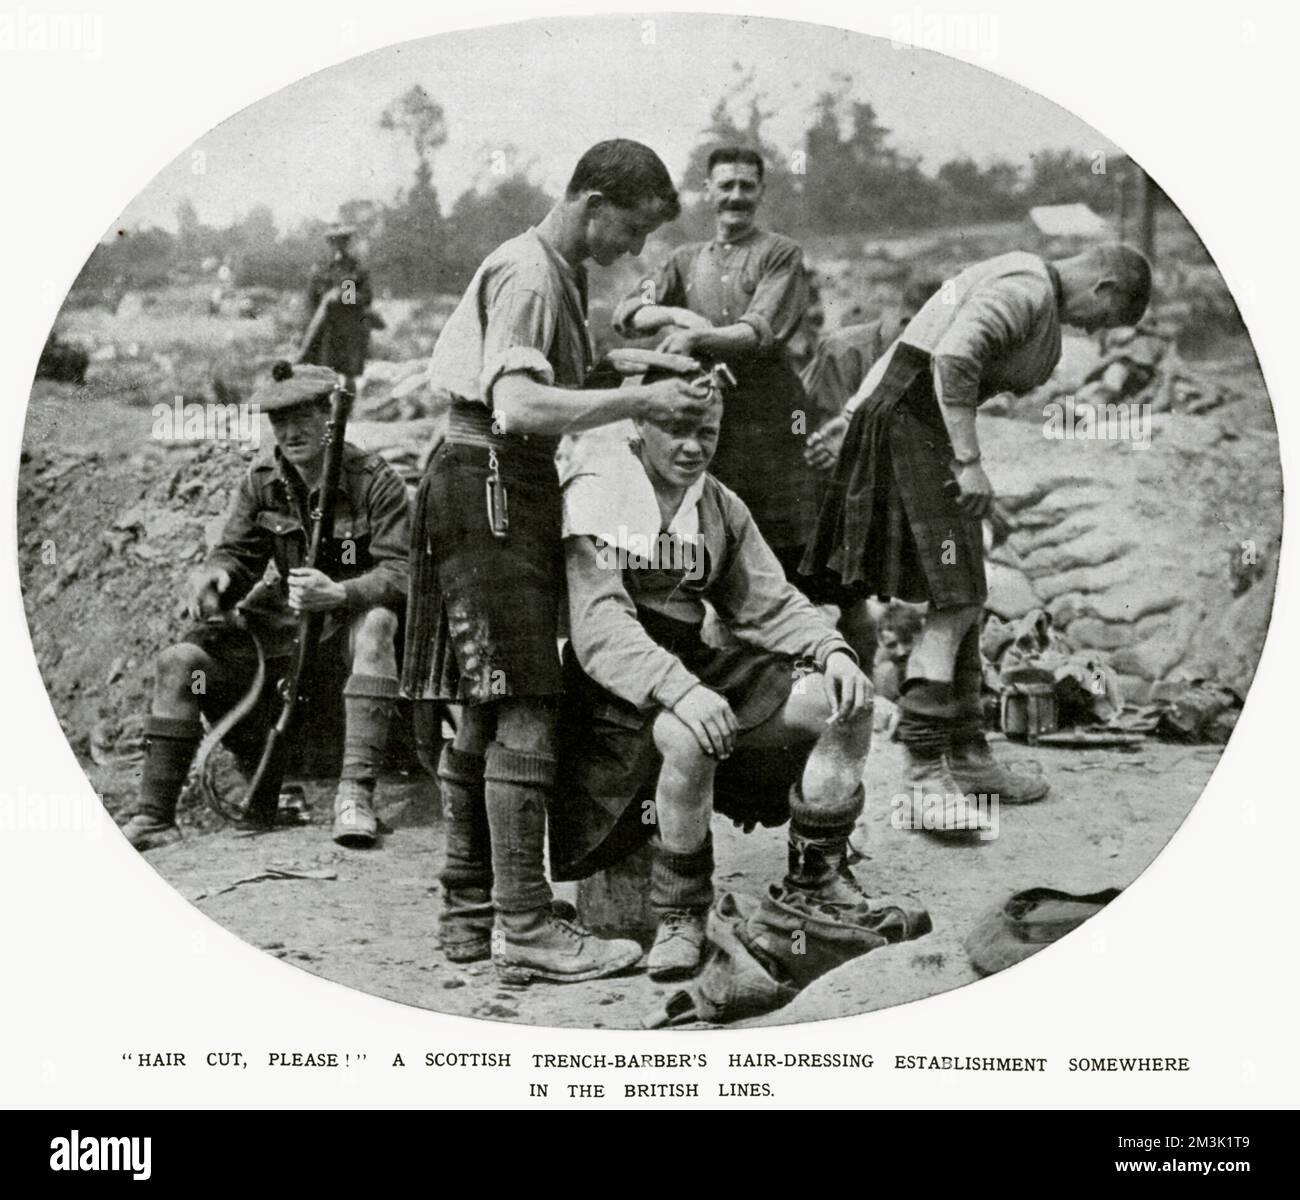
pixel 465 922
pixel 681 894
pixel 939 804
pixel 972 762
pixel 368 705
pixel 818 870
pixel 820 884
pixel 355 823
pixel 977 771
pixel 542 944
pixel 678 946
pixel 531 939
pixel 169 748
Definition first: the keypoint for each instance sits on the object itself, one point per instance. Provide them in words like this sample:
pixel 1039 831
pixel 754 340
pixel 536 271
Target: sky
pixel 540 93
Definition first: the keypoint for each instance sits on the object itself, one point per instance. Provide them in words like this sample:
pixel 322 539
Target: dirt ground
pixel 110 518
pixel 372 925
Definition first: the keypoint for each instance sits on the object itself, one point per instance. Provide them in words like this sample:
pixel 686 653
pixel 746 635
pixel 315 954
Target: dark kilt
pixel 609 764
pixel 482 613
pixel 889 524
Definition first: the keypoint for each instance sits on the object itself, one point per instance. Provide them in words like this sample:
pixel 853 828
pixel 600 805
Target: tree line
pixel 844 177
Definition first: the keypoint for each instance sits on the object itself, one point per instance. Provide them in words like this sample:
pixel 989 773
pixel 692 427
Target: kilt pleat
pixel 889 525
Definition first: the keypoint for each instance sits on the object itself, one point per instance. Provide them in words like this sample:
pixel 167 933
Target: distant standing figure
pixel 338 298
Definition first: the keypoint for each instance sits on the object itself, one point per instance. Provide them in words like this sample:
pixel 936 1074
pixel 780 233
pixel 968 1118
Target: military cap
pixel 294 383
pixel 340 231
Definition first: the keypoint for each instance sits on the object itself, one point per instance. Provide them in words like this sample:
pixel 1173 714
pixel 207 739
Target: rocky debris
pixel 396 391
pixel 1160 560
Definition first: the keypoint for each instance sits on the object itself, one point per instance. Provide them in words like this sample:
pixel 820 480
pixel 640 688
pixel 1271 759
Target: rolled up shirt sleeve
pixel 665 286
pixel 993 318
pixel 609 640
pixel 781 297
pixel 388 513
pixel 521 323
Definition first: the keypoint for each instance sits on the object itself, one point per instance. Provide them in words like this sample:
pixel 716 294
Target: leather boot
pixel 542 944
pixel 355 823
pixel 531 940
pixel 936 802
pixel 368 705
pixel 681 893
pixel 977 771
pixel 819 885
pixel 169 749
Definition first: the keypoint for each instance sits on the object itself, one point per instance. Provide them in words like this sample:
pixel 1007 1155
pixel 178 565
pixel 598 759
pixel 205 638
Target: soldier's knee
pixel 375 631
pixel 677 744
pixel 175 665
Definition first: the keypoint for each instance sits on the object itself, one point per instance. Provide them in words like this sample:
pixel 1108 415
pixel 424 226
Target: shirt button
pixel 725 278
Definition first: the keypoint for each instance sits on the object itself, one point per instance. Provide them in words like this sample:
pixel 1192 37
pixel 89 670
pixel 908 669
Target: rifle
pixel 263 798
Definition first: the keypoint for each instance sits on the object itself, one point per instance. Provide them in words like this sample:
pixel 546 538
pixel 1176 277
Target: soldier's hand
pixel 668 400
pixel 822 449
pixel 678 341
pixel 203 591
pixel 311 590
pixel 975 494
pixel 709 717
pixel 848 691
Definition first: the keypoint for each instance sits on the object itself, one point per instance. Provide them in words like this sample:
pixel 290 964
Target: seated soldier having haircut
pixel 361 586
pixel 650 537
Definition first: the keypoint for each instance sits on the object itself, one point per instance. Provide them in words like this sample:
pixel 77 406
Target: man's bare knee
pixel 527 726
pixel 677 745
pixel 178 668
pixel 374 633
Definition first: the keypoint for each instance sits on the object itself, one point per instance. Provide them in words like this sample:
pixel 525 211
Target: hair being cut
pixel 625 173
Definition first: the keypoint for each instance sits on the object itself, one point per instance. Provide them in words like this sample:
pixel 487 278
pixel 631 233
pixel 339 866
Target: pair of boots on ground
pixel 941 728
pixel 496 899
pixel 170 744
pixel 818 882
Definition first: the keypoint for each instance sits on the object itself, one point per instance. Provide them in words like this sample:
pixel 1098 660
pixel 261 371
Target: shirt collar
pixel 752 232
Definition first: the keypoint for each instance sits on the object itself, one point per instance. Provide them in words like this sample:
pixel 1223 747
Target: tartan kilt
pixel 889 525
pixel 482 612
pixel 609 763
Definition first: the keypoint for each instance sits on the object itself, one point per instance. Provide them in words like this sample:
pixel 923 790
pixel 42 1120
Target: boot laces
pixel 678 921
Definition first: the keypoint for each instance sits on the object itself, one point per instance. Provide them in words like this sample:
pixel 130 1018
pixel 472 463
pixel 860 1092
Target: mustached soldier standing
pixel 361 587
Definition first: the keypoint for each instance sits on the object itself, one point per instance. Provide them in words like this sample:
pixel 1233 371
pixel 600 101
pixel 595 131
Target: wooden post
pixel 616 902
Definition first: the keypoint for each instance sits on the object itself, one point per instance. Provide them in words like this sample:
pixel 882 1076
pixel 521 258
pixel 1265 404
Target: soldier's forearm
pixel 384 585
pixel 960 423
pixel 726 339
pixel 522 405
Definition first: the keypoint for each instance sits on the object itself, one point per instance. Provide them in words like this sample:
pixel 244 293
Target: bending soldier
pixel 902 516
